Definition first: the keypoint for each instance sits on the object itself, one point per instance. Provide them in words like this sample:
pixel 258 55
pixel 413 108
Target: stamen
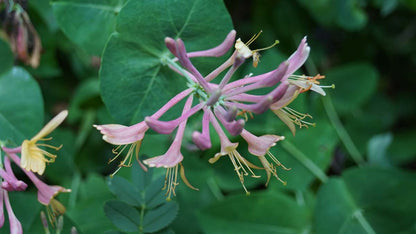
pixel 171 181
pixel 277 162
pixel 297 117
pixel 50 146
pixel 254 37
pixel 127 160
pixel 46 139
pixel 268 47
pixel 237 170
pixel 244 113
pixel 51 156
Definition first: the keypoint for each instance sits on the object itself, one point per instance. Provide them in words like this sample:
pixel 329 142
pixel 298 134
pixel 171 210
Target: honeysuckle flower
pixel 225 104
pixel 173 157
pixel 45 192
pixel 14 223
pixel 34 158
pixel 260 146
pixel 241 165
pixel 124 137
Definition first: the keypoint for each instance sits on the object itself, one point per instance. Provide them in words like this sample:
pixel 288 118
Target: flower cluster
pixel 33 160
pixel 224 104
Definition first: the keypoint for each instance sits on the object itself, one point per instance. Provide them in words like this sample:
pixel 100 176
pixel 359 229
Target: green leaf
pixel 134 81
pixel 257 213
pixel 21 108
pixel 44 9
pixel 125 191
pixel 154 193
pixel 367 200
pixel 377 149
pixel 86 96
pixel 87 23
pixel 401 149
pixel 6 57
pixel 351 16
pixel 140 178
pixel 355 83
pixel 159 218
pixel 125 217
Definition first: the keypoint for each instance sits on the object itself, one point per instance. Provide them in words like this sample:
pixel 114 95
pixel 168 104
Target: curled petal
pixel 260 145
pixel 218 51
pixel 275 76
pixel 49 127
pixel 298 58
pixel 117 134
pixel 170 159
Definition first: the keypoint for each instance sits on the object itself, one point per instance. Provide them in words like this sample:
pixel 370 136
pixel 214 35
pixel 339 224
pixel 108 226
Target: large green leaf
pixel 134 81
pixel 257 213
pixel 88 23
pixel 21 106
pixel 355 83
pixel 6 57
pixel 367 200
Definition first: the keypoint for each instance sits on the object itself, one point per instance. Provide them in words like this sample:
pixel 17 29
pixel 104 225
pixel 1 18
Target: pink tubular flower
pixel 45 192
pixel 173 157
pixel 124 137
pixel 260 146
pixel 15 225
pixel 224 104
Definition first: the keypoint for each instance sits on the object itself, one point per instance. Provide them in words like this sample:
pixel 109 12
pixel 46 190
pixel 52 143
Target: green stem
pixel 179 68
pixel 76 181
pixel 216 191
pixel 86 123
pixel 303 159
pixel 143 208
pixel 341 131
pixel 364 223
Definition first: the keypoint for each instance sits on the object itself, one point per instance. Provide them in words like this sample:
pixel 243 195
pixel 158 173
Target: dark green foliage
pixel 104 61
pixel 141 206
